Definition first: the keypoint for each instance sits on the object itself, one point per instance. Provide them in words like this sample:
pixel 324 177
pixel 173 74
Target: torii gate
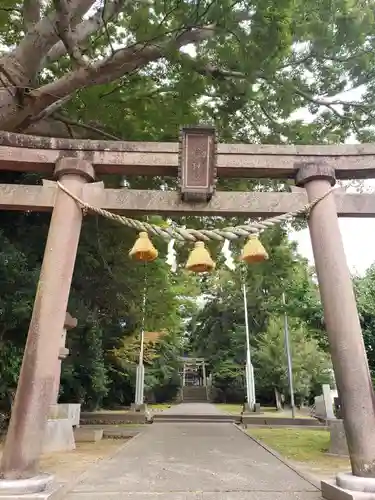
pixel 76 164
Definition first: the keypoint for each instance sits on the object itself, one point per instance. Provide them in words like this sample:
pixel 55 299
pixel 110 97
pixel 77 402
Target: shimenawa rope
pixel 183 234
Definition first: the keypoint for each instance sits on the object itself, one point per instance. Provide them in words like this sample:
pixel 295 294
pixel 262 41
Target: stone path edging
pixel 310 478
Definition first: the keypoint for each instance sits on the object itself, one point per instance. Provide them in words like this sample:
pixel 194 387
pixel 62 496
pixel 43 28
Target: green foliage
pixel 106 297
pixel 256 64
pixel 17 281
pixel 162 379
pixel 247 67
pixel 365 292
pixel 217 332
pixel 311 365
pixel 228 381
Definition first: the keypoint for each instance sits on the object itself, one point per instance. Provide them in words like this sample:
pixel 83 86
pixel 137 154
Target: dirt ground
pixel 325 469
pixel 69 465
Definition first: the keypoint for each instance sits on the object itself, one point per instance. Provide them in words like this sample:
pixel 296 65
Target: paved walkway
pixel 193 409
pixel 195 461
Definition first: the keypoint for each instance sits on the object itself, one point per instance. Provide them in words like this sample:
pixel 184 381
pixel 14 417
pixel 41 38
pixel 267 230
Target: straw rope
pixel 186 234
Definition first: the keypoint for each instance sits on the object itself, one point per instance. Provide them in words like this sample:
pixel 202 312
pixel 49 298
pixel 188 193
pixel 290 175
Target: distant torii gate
pixel 76 164
pixel 193 366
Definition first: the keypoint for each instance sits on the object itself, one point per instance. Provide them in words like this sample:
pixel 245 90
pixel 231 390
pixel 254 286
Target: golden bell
pixel 143 248
pixel 200 260
pixel 254 251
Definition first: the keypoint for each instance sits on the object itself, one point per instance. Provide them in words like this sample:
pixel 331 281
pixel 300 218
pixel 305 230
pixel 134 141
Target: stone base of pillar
pixel 337 445
pixel 251 409
pixel 32 487
pixel 349 487
pixel 51 494
pixel 136 407
pixel 142 413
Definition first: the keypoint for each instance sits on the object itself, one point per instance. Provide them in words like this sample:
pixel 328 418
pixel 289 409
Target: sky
pixel 359 243
pixel 358 234
pixel 358 238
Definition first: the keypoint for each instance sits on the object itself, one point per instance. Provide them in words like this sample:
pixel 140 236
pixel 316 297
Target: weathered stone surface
pixel 58 436
pixel 193 461
pixel 42 198
pixel 253 419
pixel 88 435
pixel 118 431
pixel 309 171
pixel 330 491
pixel 55 492
pixel 72 411
pixel 217 495
pixel 151 158
pixel 337 444
pixel 113 418
pixel 141 408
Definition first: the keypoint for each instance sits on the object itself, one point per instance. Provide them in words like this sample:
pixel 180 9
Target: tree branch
pixel 31 13
pixel 329 104
pixel 49 127
pixel 209 69
pixel 52 109
pixel 89 26
pixel 65 32
pixel 85 126
pixel 36 44
pixel 106 70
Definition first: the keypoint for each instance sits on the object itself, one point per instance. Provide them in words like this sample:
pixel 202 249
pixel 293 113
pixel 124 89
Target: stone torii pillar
pixel 69 323
pixel 24 440
pixel 342 322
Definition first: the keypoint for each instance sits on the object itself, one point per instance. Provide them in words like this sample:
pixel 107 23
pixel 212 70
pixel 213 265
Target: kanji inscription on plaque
pixel 197 167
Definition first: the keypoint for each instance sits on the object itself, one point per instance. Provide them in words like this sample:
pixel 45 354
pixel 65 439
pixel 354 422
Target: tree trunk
pixel 278 400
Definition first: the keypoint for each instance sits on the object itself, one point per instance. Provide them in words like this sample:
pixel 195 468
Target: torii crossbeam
pixel 78 165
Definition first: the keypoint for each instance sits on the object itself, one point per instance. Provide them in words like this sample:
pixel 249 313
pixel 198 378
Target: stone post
pixel 25 435
pixel 341 318
pixel 69 323
pixel 328 402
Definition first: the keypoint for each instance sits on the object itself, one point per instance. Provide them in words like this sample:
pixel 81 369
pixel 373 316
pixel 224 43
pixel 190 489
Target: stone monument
pixel 324 404
pixel 63 418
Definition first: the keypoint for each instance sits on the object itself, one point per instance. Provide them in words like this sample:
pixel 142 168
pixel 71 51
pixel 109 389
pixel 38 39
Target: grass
pixel 269 412
pixel 228 408
pixel 160 406
pixel 306 447
pixel 119 412
pixel 269 409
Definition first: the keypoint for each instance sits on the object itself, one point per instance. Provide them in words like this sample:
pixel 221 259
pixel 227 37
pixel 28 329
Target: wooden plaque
pixel 197 164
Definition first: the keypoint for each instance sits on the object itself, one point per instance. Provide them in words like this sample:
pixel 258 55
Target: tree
pixel 17 281
pixel 217 331
pixel 106 298
pixel 139 70
pixel 311 365
pixel 365 292
pixel 249 64
pixel 228 381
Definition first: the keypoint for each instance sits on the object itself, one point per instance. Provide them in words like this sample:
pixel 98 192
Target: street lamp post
pixel 140 373
pixel 250 383
pixel 289 359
